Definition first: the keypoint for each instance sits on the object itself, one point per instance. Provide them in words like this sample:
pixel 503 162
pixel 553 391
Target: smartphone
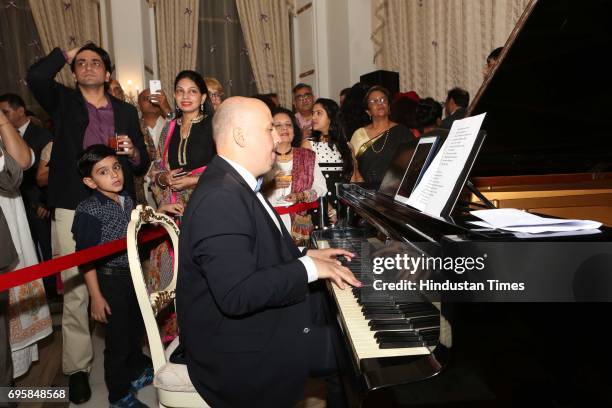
pixel 154 86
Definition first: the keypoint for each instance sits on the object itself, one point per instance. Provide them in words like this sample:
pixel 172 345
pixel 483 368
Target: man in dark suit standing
pixel 82 117
pixel 34 197
pixel 455 107
pixel 242 296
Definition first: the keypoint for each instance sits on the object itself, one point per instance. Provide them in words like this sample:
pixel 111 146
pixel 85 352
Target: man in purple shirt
pixel 83 116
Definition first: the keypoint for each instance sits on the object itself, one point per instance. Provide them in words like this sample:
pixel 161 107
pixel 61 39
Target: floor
pixel 48 371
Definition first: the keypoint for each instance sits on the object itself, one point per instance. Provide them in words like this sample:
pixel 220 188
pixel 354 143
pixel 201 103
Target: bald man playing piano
pixel 243 303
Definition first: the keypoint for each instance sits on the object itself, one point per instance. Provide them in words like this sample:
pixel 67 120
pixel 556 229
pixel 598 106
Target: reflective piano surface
pixel 547 122
pixel 468 334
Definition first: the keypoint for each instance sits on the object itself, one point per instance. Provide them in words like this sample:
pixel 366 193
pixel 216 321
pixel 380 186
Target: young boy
pixel 101 218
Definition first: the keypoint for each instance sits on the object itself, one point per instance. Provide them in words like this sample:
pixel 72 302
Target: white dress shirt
pixel 309 264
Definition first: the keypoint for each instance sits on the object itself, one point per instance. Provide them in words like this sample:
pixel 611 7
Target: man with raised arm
pixel 83 117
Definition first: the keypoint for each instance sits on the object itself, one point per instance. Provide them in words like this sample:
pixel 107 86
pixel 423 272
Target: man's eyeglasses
pixel 281 126
pixel 95 64
pixel 379 101
pixel 217 95
pixel 303 97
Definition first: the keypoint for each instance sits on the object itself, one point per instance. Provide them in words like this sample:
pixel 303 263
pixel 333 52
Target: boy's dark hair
pixel 98 50
pixel 460 96
pixel 92 155
pixel 300 86
pixel 15 101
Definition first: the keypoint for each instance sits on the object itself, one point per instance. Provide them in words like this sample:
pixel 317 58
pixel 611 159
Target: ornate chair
pixel 174 388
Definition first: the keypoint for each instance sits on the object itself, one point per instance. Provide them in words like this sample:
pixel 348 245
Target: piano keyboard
pixel 378 324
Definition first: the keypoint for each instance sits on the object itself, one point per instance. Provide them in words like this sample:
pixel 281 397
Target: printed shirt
pixel 99 219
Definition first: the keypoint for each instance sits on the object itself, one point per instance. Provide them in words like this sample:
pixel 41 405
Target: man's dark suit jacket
pixel 242 304
pixel 447 123
pixel 70 119
pixel 37 138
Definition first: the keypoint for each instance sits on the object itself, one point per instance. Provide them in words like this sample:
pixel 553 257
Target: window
pixel 222 52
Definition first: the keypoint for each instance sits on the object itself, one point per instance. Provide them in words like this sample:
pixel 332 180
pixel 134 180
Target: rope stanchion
pixel 53 266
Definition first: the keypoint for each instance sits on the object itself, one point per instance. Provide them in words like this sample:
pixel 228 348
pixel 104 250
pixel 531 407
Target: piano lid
pixel 549 98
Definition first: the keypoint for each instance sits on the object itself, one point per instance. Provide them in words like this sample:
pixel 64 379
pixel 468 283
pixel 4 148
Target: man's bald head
pixel 243 132
pixel 225 117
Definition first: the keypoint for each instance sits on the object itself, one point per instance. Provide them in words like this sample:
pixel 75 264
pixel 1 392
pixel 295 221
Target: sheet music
pixel 511 219
pixel 433 192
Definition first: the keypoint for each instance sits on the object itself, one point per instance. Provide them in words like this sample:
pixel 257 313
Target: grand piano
pixel 547 150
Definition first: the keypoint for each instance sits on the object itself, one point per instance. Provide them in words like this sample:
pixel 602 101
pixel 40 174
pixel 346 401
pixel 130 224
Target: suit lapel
pixel 285 237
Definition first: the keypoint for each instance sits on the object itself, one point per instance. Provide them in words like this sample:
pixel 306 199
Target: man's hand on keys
pixel 328 267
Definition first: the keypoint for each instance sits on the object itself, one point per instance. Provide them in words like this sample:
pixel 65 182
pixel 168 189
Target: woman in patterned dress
pixel 333 153
pixel 185 147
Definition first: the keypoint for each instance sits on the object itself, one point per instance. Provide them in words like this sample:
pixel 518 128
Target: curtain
pixel 222 52
pixel 436 45
pixel 66 24
pixel 19 48
pixel 177 39
pixel 265 24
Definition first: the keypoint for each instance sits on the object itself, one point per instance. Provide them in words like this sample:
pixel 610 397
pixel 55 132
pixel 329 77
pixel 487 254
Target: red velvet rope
pixel 299 207
pixel 53 266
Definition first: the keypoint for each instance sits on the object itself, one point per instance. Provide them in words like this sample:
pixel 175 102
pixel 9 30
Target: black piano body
pixel 548 150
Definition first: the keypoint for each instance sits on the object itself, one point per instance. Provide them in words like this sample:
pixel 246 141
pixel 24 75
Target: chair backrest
pixel 151 304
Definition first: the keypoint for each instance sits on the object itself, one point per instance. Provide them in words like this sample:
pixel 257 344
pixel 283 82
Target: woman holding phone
pixel 185 147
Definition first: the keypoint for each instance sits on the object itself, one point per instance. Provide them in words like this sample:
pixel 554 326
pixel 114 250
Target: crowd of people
pixel 71 184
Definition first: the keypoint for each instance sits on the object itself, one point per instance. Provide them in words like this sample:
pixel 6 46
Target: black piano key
pixel 430 334
pixel 401 344
pixel 383 322
pixel 372 316
pixel 398 326
pixel 423 307
pixel 418 314
pixel 423 322
pixel 384 340
pixel 380 309
pixel 401 334
pixel 376 302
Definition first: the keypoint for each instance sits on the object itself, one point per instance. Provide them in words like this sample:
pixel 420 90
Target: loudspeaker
pixel 388 79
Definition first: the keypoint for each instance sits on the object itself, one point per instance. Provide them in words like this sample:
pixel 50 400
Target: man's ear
pixel 107 77
pixel 239 136
pixel 89 182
